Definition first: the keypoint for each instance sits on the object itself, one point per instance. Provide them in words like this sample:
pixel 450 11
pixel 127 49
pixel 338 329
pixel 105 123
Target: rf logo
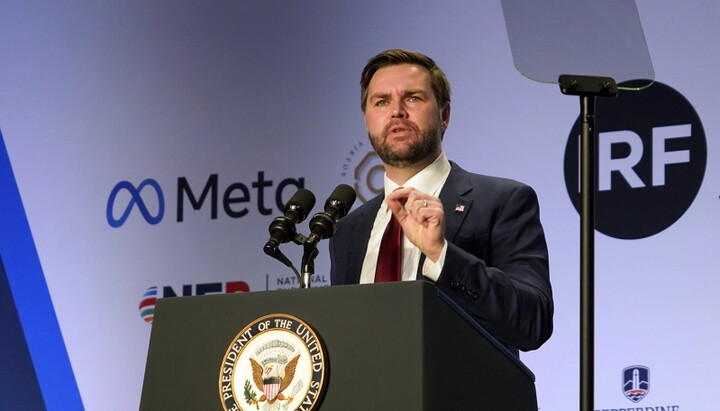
pixel 651 156
pixel 135 199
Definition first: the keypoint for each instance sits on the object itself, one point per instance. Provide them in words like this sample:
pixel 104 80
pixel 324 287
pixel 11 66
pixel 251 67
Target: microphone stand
pixel 587 88
pixel 303 278
pixel 322 226
pixel 310 251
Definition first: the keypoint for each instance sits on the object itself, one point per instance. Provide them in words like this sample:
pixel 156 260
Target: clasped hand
pixel 422 219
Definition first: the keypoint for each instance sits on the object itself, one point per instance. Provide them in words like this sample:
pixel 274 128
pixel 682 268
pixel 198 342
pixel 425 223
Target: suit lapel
pixel 360 229
pixel 455 204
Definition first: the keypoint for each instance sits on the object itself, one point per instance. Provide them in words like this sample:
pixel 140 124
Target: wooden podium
pixel 393 346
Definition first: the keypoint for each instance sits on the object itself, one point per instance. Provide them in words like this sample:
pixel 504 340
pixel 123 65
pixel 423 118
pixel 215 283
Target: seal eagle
pixel 271 382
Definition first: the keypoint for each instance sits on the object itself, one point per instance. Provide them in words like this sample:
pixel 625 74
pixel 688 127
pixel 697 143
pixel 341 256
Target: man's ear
pixel 445 116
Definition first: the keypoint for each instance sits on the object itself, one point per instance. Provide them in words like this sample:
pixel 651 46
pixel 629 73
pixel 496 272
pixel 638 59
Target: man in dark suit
pixel 478 238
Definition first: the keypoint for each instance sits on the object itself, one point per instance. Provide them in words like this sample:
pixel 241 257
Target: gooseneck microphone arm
pixel 322 226
pixel 282 229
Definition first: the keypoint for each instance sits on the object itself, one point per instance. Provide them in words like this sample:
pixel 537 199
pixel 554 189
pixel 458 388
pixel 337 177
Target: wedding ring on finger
pixel 424 203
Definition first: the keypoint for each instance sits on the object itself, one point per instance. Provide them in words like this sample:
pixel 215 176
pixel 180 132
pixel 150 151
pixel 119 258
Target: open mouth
pixel 398 129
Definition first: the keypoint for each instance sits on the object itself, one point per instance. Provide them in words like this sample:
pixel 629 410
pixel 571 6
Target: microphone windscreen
pixel 304 200
pixel 343 194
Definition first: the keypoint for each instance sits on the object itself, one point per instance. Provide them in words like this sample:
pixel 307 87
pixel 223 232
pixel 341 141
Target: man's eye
pixel 381 103
pixel 414 99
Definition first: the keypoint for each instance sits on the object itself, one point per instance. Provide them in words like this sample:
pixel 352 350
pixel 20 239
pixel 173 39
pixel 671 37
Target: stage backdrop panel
pixel 150 145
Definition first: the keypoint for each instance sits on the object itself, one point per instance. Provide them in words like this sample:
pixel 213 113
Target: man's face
pixel 402 117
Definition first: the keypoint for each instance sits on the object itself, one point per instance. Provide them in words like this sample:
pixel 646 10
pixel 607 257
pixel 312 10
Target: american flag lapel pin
pixel 459 208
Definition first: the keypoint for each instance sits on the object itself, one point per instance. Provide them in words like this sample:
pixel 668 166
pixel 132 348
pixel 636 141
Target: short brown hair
pixel 393 57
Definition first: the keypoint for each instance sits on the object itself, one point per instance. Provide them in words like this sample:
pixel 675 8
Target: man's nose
pixel 399 111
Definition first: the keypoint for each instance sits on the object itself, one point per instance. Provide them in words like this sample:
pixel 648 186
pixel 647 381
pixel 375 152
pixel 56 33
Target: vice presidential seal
pixel 276 362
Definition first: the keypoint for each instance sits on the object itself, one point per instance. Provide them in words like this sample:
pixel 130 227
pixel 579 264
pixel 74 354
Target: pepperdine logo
pixel 234 198
pixel 636 382
pixel 635 386
pixel 651 157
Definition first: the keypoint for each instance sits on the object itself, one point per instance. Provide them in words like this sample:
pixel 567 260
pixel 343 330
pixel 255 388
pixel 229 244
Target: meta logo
pixel 149 199
pixel 651 156
pixel 135 200
pixel 150 297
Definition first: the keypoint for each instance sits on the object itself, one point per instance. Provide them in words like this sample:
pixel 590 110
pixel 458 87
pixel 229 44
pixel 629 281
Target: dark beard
pixel 428 143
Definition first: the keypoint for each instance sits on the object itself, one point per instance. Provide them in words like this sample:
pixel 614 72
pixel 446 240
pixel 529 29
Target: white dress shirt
pixel 429 180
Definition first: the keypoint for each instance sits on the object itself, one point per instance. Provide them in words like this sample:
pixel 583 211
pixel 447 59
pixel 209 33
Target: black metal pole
pixel 588 88
pixel 587 252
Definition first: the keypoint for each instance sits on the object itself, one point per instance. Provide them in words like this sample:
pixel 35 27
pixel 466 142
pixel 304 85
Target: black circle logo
pixel 650 158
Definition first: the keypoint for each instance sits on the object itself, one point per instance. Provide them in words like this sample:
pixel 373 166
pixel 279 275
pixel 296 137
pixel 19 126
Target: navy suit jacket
pixel 496 266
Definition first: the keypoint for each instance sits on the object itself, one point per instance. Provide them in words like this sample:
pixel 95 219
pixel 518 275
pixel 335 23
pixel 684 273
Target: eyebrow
pixel 378 96
pixel 405 93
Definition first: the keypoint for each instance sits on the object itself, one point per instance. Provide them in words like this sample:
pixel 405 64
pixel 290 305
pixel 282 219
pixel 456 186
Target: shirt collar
pixel 429 180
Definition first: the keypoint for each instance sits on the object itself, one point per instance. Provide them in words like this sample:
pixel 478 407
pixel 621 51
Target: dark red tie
pixel 389 265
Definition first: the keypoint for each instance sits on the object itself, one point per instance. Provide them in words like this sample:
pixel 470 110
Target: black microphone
pixel 323 225
pixel 282 229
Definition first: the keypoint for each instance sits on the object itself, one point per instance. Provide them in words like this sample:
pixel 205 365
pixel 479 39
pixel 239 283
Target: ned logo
pixel 651 157
pixel 277 362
